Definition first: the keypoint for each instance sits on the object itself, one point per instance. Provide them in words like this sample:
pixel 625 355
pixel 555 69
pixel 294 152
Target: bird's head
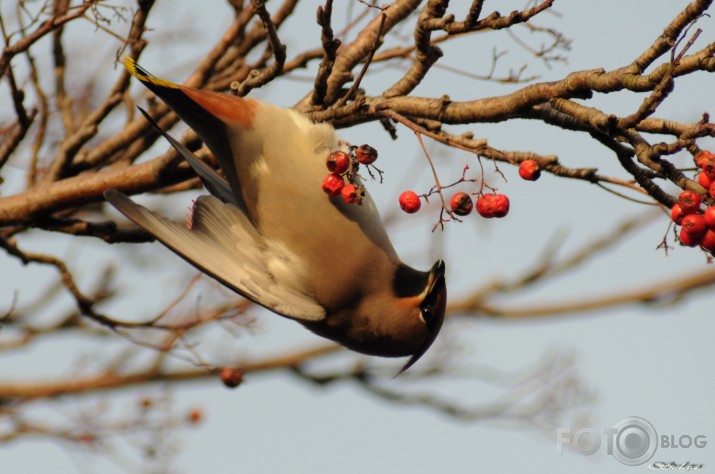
pixel 432 308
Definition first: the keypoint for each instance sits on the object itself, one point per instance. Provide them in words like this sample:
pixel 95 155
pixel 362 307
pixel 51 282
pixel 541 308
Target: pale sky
pixel 649 361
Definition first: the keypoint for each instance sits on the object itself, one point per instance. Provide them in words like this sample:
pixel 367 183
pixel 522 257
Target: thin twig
pixel 356 84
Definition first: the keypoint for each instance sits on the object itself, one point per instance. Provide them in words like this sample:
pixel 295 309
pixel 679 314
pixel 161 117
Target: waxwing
pixel 270 233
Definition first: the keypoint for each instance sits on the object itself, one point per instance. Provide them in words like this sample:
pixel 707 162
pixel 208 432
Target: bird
pixel 267 230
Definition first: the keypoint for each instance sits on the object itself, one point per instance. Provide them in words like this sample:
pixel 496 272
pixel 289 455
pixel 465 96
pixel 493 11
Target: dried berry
pixel 366 154
pixel 461 204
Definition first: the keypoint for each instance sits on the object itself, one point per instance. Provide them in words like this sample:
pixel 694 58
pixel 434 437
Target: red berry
pixel 483 207
pixel 461 204
pixel 711 190
pixel 195 416
pixel 708 240
pixel 704 180
pixel 338 162
pixel 333 184
pixel 689 202
pixel 677 214
pixel 689 239
pixel 366 154
pixel 350 194
pixel 694 224
pixel 88 438
pixel 492 205
pixel 703 158
pixel 231 377
pixel 410 202
pixel 529 170
pixel 709 169
pixel 706 161
pixel 499 204
pixel 709 217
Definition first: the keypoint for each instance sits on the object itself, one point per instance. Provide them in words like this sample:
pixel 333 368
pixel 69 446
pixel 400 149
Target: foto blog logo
pixel 632 441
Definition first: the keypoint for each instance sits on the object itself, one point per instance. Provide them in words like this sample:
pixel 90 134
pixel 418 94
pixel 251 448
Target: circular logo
pixel 635 441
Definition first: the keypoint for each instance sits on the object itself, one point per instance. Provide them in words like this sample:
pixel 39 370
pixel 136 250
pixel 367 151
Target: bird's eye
pixel 427 314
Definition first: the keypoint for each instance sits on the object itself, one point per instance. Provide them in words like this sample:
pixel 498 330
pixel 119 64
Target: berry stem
pixel 436 180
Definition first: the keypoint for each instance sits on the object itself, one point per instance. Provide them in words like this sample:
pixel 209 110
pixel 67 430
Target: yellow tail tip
pixel 130 64
pixel 141 74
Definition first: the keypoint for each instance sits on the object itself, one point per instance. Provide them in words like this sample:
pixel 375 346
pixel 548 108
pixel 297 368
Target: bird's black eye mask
pixel 433 306
pixel 432 309
pixel 409 282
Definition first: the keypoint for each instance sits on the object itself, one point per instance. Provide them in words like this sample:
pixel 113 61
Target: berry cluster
pixel 487 205
pixel 697 227
pixel 706 162
pixel 342 167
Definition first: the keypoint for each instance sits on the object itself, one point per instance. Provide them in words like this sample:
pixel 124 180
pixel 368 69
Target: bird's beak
pixel 432 308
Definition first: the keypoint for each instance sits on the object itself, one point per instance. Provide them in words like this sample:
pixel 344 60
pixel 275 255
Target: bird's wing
pixel 215 183
pixel 208 113
pixel 223 244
